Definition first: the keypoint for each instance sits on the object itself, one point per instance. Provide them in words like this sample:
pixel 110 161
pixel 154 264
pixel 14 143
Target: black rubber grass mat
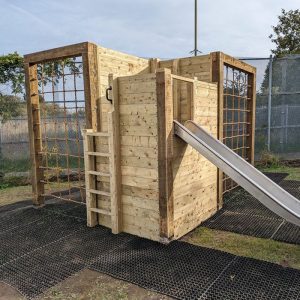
pixel 43 268
pixel 276 177
pixel 49 228
pixel 244 214
pixel 244 224
pixel 44 252
pixel 184 271
pixel 14 206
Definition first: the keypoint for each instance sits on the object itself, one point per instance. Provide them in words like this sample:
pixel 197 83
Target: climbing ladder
pixel 92 173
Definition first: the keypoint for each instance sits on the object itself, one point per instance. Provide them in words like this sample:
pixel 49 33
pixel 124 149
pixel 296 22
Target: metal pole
pixel 196 27
pixel 270 102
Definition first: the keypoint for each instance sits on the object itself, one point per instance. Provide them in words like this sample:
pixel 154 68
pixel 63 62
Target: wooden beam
pixel 154 65
pixel 91 86
pixel 115 158
pixel 35 136
pixel 218 77
pixel 238 64
pixel 57 53
pixel 252 115
pixel 176 90
pixel 165 152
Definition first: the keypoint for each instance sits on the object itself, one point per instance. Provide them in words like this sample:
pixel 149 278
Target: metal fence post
pixel 270 102
pixel 1 137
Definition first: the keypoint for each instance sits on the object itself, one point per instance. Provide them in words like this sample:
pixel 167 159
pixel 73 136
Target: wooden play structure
pixel 101 134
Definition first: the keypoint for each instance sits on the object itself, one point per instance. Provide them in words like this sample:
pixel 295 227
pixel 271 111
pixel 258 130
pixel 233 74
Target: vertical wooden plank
pixel 89 164
pixel 154 63
pixel 176 90
pixel 35 136
pixel 165 152
pixel 115 158
pixel 91 85
pixel 218 77
pixel 252 116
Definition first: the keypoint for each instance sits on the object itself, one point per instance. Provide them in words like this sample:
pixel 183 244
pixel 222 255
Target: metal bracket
pixel 107 94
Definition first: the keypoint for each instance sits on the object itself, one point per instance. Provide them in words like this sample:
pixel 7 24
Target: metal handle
pixel 107 94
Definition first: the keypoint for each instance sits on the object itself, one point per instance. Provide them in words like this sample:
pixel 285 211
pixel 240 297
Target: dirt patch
pixel 9 293
pixel 15 194
pixel 91 285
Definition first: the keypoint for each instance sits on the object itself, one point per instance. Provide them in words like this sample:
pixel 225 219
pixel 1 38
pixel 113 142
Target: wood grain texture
pixel 165 151
pixel 35 135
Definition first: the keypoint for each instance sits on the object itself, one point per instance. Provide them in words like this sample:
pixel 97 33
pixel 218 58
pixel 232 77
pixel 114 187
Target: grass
pixel 294 173
pixel 268 250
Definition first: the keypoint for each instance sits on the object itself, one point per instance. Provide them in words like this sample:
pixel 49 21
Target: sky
pixel 147 28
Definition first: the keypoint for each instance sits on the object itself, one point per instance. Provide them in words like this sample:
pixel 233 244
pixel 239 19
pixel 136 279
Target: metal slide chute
pixel 256 183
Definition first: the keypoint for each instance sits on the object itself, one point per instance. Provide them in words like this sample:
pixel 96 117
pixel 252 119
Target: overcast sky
pixel 148 28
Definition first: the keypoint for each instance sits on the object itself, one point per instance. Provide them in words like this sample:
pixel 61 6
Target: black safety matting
pixel 276 177
pixel 43 247
pixel 244 214
pixel 14 206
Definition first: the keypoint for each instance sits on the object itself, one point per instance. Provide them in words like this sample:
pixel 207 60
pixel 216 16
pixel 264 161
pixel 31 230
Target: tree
pixel 10 107
pixel 12 75
pixel 286 34
pixel 12 72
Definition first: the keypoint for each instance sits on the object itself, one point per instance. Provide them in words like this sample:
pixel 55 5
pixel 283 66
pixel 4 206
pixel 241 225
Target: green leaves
pixel 12 72
pixel 286 34
pixel 10 107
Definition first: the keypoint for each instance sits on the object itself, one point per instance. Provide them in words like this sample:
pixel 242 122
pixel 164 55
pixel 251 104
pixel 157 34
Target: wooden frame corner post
pixel 115 157
pixel 218 77
pixel 165 152
pixel 252 108
pixel 35 136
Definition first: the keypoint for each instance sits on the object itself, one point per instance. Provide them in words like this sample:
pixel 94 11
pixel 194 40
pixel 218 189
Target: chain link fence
pixel 14 142
pixel 278 105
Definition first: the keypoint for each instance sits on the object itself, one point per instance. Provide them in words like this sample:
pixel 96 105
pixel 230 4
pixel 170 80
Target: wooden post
pixel 35 136
pixel 218 77
pixel 91 85
pixel 252 109
pixel 165 151
pixel 115 163
pixel 153 64
pixel 176 91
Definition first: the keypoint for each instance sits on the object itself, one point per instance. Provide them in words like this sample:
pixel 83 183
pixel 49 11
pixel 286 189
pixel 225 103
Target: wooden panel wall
pixel 118 64
pixel 199 66
pixel 139 156
pixel 195 178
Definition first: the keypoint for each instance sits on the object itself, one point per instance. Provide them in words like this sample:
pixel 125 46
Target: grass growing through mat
pixel 281 253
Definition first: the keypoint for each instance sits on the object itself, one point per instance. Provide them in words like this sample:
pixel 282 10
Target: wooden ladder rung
pixel 100 211
pixel 97 134
pixel 98 154
pixel 96 173
pixel 99 192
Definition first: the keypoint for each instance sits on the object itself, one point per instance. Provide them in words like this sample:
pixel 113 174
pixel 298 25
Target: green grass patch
pixel 294 173
pixel 258 248
pixel 13 181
